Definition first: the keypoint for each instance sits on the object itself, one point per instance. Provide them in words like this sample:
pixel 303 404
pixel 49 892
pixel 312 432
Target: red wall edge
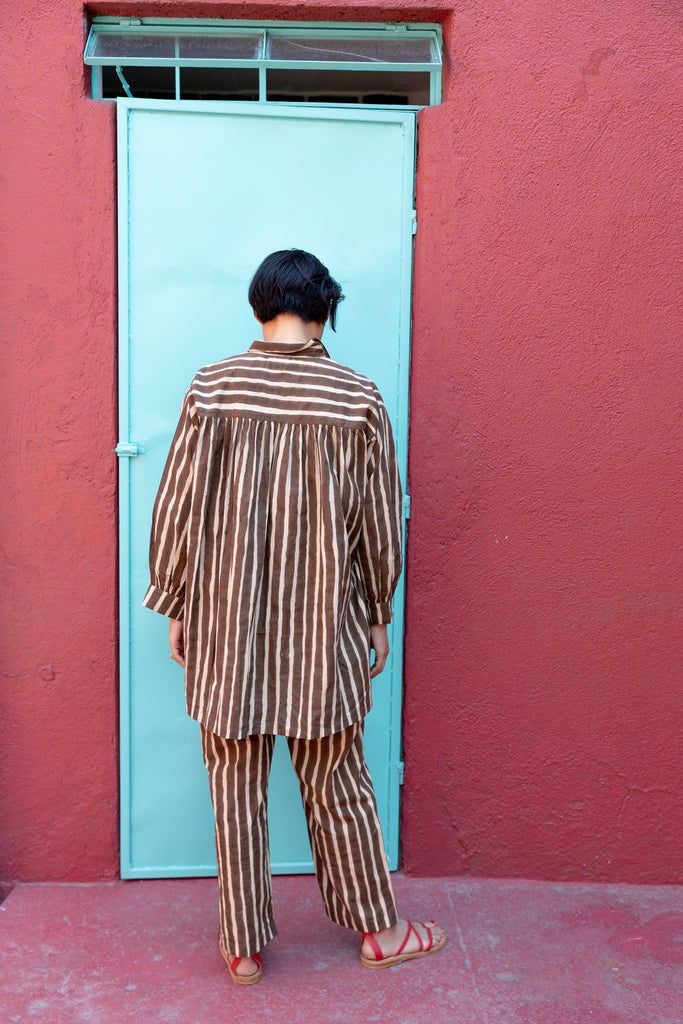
pixel 543 620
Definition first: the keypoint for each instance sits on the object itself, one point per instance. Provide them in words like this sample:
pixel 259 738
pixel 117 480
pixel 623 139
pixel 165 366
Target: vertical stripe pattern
pixel 238 779
pixel 343 826
pixel 344 829
pixel 277 538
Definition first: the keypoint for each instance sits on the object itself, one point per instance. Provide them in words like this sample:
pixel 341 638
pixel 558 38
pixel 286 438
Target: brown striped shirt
pixel 276 536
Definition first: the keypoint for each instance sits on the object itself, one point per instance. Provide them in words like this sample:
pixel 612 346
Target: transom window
pixel 270 62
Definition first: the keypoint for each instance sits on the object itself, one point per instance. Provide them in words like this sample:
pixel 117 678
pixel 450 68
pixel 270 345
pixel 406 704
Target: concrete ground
pixel 518 953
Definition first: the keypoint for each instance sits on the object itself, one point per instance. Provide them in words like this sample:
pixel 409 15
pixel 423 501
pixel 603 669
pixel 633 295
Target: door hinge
pixel 128 451
pixel 400 767
pixel 413 221
pixel 406 506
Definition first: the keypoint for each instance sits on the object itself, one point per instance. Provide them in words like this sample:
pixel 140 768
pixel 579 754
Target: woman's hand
pixel 379 643
pixel 176 639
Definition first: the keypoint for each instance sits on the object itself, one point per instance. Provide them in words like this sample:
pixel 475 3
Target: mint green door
pixel 206 190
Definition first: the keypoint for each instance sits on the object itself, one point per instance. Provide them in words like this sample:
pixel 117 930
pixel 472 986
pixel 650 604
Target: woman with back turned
pixel 275 552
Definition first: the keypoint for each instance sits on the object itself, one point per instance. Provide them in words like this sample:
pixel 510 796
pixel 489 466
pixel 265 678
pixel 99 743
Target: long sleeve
pixel 170 520
pixel 379 549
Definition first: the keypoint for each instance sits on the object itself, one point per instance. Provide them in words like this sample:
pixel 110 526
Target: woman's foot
pixel 245 970
pixel 406 940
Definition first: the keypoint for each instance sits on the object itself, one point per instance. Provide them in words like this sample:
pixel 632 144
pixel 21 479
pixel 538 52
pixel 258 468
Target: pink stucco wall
pixel 541 715
pixel 58 754
pixel 543 711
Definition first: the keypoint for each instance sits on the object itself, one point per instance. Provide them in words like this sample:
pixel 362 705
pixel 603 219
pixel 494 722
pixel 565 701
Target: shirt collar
pixel 314 347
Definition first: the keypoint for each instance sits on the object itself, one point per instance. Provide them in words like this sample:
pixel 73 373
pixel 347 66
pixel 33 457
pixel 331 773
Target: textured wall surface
pixel 542 714
pixel 543 709
pixel 58 760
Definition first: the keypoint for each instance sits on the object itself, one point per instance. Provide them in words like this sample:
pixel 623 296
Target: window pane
pixel 390 49
pixel 348 86
pixel 125 44
pixel 144 83
pixel 219 84
pixel 247 47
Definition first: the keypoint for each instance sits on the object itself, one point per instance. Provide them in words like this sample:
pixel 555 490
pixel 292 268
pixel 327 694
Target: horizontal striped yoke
pixel 276 536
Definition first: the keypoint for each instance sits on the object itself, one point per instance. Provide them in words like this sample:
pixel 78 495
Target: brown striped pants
pixel 345 834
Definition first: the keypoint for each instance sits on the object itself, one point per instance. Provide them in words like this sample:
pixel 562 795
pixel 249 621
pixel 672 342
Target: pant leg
pixel 344 829
pixel 238 777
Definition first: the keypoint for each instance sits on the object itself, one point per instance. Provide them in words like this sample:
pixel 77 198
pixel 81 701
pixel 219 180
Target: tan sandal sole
pixel 392 961
pixel 239 979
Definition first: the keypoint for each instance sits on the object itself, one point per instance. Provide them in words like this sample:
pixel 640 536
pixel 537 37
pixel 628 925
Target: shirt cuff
pixel 380 613
pixel 166 604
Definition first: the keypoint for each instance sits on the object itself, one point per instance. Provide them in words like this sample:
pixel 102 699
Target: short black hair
pixel 294 281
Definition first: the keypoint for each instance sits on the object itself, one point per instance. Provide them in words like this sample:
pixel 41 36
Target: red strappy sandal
pixel 399 957
pixel 243 979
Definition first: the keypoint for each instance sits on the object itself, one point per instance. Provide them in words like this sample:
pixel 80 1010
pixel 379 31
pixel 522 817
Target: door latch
pixel 128 451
